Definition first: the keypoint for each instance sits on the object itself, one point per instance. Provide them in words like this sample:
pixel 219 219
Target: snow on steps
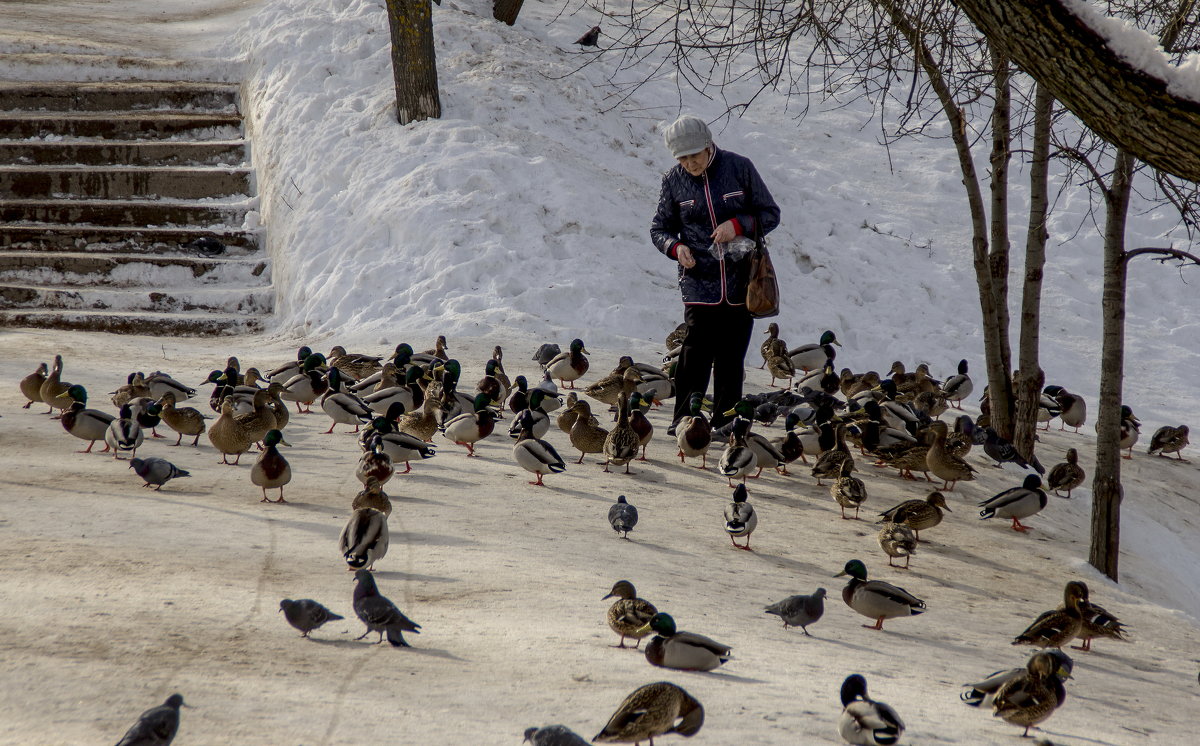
pixel 103 186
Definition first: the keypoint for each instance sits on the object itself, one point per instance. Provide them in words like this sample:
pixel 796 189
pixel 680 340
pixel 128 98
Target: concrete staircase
pixel 128 206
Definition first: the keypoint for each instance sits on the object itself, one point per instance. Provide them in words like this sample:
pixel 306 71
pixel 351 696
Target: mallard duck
pixel 738 459
pixel 800 611
pixel 400 447
pixel 534 455
pixel 537 416
pixel 364 540
pixel 944 465
pixel 864 721
pixel 918 515
pixel 897 540
pixel 566 419
pixel 469 428
pixel 228 435
pixel 1029 698
pixel 223 387
pixel 1169 439
pixel 275 404
pixel 653 710
pixel 422 423
pixel 813 356
pixel 491 385
pixel 829 464
pixel 290 369
pixel 1057 627
pixel 518 395
pixel 148 414
pixel 921 382
pixel 629 615
pixel 640 422
pixel 1016 502
pixel 621 444
pixel 658 386
pixel 402 356
pixel 876 599
pixel 31 385
pixel 780 367
pixel 791 445
pixel 586 435
pixel 569 366
pixel 683 651
pixel 343 407
pixel 847 490
pixel 1072 407
pixel 372 496
pixel 983 693
pixel 623 380
pixel 1095 621
pixel 54 390
pixel 183 420
pixel 958 387
pixel 124 434
pixel 353 365
pixel 501 375
pixel 693 435
pixel 409 393
pixel 261 419
pixel 767 453
pixel 1066 475
pixel 676 337
pixel 271 469
pixel 960 442
pixel 306 386
pixel 740 518
pixel 374 465
pixel 867 384
pixel 439 352
pixel 135 387
pixel 773 346
pixel 86 424
pixel 1131 430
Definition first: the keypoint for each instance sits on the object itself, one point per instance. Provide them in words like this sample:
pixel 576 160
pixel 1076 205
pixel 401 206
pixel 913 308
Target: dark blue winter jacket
pixel 689 210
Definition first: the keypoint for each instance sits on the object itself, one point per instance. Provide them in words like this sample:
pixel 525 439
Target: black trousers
pixel 716 342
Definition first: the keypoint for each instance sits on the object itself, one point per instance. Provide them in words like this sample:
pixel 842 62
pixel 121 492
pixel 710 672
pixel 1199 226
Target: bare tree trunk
pixel 999 249
pixel 997 354
pixel 1107 493
pixel 1028 386
pixel 414 65
pixel 506 10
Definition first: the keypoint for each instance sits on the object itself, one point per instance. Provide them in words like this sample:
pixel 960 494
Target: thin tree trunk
pixel 1003 406
pixel 995 337
pixel 506 10
pixel 1028 386
pixel 1107 493
pixel 414 65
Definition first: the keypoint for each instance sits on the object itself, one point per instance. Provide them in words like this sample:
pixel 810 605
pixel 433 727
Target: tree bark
pixel 1029 383
pixel 1123 104
pixel 414 65
pixel 1107 492
pixel 506 10
pixel 998 251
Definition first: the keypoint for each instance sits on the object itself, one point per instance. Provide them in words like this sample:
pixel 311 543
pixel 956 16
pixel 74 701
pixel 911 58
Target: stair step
pixel 120 125
pixel 117 95
pixel 256 300
pixel 95 239
pixel 128 270
pixel 125 152
pixel 182 324
pixel 129 213
pixel 116 182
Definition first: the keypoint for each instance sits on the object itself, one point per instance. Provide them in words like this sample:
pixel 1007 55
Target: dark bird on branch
pixel 590 38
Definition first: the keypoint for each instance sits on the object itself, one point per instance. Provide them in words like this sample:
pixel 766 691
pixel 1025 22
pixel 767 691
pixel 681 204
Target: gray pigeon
pixel 156 726
pixel 546 353
pixel 306 614
pixel 553 735
pixel 623 517
pixel 800 611
pixel 156 471
pixel 379 614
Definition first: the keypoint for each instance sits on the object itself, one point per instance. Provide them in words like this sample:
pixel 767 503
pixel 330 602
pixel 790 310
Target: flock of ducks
pixel 398 403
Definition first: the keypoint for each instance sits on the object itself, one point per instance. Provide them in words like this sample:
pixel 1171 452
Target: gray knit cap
pixel 687 135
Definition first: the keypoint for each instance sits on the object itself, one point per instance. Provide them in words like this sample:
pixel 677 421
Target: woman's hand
pixel 724 232
pixel 684 255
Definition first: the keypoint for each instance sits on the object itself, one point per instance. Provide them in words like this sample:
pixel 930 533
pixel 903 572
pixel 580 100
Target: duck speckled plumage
pixel 653 710
pixel 918 515
pixel 629 615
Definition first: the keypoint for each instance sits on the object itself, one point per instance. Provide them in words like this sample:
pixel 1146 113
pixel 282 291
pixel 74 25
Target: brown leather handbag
pixel 762 292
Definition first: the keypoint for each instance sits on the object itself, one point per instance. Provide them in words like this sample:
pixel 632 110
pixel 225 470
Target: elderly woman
pixel 710 198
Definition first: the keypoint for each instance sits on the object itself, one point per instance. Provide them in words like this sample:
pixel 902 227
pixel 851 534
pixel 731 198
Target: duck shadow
pixel 788 563
pixel 1077 737
pixel 726 676
pixel 963 555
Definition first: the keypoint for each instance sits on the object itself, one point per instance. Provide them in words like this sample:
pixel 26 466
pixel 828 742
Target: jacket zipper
pixel 712 216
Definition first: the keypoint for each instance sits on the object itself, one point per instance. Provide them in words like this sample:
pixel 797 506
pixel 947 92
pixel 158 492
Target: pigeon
pixel 156 471
pixel 800 611
pixel 546 353
pixel 364 539
pixel 1002 451
pixel 379 614
pixel 740 518
pixel 553 735
pixel 156 726
pixel 590 38
pixel 623 517
pixel 206 246
pixel 124 434
pixel 306 614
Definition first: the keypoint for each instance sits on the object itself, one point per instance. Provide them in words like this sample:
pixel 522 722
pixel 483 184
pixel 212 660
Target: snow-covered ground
pixel 521 217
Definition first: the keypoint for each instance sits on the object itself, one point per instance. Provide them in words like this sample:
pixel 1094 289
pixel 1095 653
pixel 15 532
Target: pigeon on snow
pixel 800 611
pixel 156 471
pixel 156 726
pixel 306 614
pixel 379 614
